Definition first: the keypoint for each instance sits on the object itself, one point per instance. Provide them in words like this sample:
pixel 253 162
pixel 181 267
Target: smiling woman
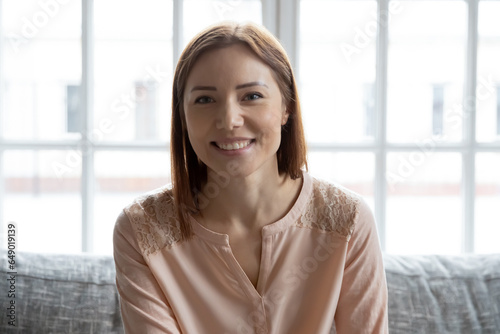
pixel 245 105
pixel 245 240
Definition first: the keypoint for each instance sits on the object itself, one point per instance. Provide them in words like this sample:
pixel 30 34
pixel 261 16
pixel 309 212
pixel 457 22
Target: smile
pixel 233 146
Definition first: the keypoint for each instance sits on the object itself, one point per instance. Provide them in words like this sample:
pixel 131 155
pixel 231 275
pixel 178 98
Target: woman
pixel 245 241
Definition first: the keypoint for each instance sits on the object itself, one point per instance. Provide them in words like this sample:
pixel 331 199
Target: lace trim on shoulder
pixel 331 208
pixel 155 221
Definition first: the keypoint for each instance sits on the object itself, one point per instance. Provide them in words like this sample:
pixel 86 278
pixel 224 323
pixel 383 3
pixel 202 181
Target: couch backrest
pixel 61 294
pixel 443 294
pixel 427 294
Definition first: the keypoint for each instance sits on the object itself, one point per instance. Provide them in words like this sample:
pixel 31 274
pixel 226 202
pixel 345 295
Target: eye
pixel 203 100
pixel 253 96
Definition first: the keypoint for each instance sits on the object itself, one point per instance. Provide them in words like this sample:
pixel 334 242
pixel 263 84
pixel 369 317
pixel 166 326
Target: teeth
pixel 233 146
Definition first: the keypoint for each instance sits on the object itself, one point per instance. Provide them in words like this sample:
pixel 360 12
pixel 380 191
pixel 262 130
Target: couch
pixel 57 293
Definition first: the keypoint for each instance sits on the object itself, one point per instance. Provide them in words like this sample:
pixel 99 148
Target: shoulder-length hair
pixel 188 173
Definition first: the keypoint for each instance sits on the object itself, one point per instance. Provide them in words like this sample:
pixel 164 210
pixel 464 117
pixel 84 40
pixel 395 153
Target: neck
pixel 246 204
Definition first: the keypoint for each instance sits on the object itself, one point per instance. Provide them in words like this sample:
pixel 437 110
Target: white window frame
pixel 281 17
pixel 381 147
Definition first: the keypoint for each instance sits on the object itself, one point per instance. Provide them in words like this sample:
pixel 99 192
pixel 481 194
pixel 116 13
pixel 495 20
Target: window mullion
pixel 288 29
pixel 270 15
pixel 178 30
pixel 381 110
pixel 87 178
pixel 469 123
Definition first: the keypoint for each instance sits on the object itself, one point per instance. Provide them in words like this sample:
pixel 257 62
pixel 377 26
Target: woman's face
pixel 234 111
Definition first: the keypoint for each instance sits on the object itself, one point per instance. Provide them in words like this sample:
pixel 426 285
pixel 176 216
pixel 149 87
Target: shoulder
pixel 153 218
pixel 332 208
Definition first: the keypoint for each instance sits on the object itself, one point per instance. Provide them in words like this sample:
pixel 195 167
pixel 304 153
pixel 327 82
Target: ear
pixel 284 115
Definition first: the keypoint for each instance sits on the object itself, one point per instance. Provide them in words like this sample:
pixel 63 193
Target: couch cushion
pixel 427 294
pixel 62 294
pixel 443 294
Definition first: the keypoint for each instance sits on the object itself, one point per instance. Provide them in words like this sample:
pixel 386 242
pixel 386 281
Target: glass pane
pixel 42 196
pixel 424 210
pixel 41 62
pixel 487 203
pixel 426 70
pixel 338 168
pixel 337 70
pixel 122 176
pixel 198 14
pixel 488 73
pixel 133 70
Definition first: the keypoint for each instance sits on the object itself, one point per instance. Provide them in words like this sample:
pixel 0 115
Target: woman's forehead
pixel 236 63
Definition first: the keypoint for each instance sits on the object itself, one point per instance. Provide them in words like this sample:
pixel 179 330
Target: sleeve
pixel 144 307
pixel 362 306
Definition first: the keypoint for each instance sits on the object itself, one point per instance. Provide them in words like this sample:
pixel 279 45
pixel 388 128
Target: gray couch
pixel 77 294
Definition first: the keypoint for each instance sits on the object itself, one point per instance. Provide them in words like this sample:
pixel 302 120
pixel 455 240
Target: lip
pixel 230 141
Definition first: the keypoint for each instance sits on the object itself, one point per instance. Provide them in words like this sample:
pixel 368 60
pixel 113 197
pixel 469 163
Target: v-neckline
pixel 222 239
pixel 252 290
pixel 255 249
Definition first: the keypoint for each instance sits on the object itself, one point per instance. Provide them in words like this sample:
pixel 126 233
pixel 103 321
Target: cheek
pixel 270 123
pixel 189 120
pixel 194 122
pixel 195 130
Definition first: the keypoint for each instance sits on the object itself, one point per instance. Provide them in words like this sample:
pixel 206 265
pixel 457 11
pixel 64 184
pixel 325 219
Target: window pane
pixel 133 70
pixel 424 211
pixel 487 203
pixel 42 196
pixel 41 59
pixel 338 168
pixel 488 71
pixel 426 71
pixel 198 14
pixel 122 176
pixel 337 70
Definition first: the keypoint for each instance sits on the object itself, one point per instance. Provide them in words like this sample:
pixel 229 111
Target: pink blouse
pixel 321 265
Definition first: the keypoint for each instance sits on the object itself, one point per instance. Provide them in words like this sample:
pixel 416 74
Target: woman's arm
pixel 362 306
pixel 144 307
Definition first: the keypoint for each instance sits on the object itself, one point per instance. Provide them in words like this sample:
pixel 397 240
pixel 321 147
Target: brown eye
pixel 253 96
pixel 203 100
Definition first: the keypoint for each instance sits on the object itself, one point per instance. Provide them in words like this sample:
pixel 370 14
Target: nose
pixel 229 117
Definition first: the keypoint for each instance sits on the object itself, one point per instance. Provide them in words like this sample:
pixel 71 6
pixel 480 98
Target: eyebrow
pixel 245 85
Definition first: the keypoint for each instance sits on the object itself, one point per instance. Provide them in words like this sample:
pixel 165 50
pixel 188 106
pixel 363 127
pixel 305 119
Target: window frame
pixel 468 147
pixel 281 17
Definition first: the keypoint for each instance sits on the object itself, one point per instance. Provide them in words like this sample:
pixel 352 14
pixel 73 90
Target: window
pixel 145 111
pixel 434 115
pixel 74 120
pixel 397 106
pixel 369 106
pixel 86 119
pixel 498 110
pixel 437 110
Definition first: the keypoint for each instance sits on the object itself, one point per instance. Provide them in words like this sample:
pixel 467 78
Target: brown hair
pixel 188 173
